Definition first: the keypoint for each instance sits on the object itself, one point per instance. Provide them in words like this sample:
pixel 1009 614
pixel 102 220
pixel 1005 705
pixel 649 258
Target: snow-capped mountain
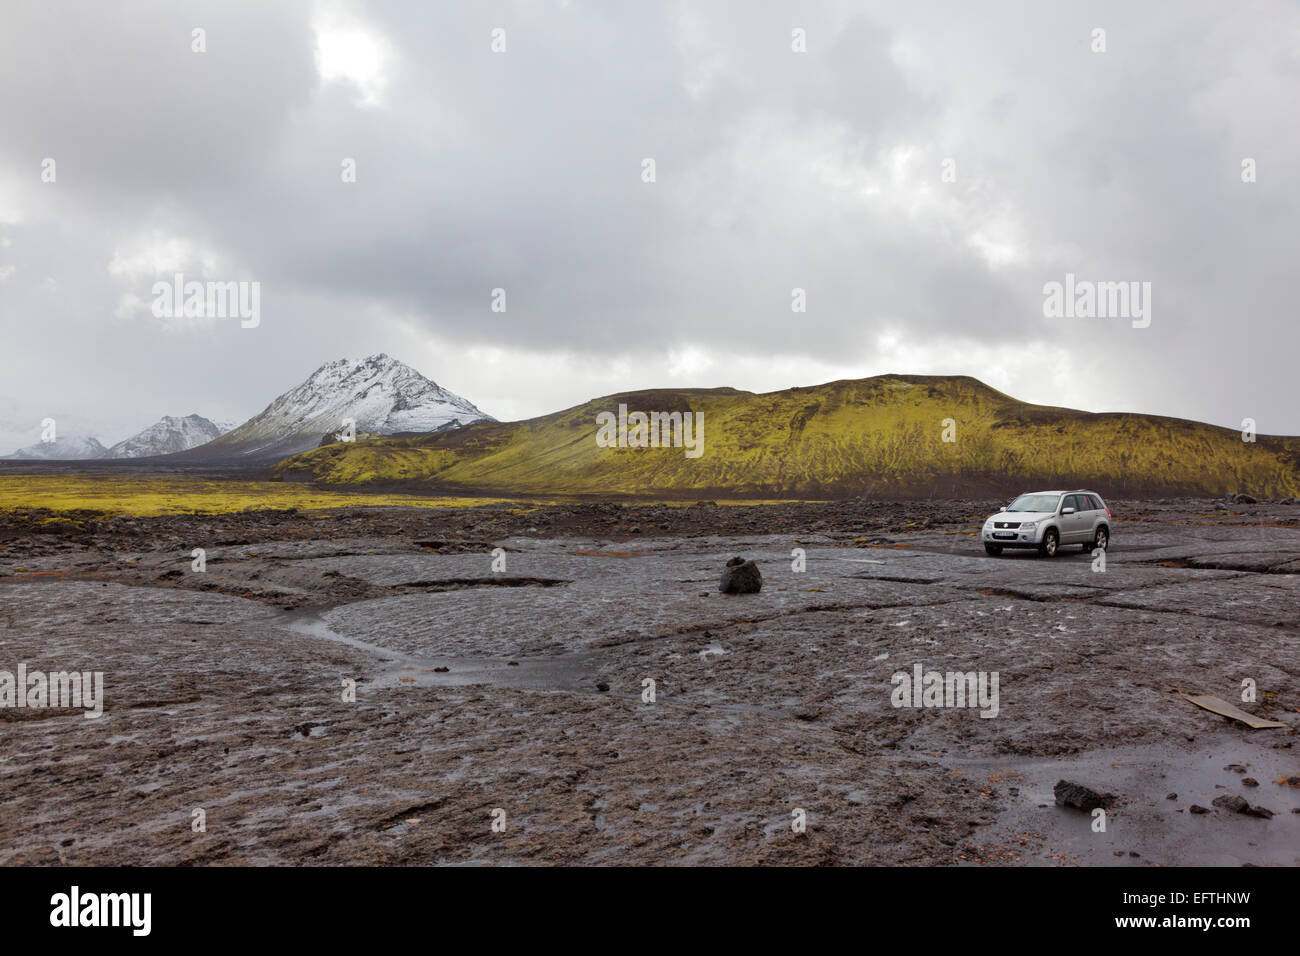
pixel 171 434
pixel 63 448
pixel 380 394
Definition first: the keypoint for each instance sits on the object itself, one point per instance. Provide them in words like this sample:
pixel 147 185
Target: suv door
pixel 1091 508
pixel 1088 523
pixel 1075 527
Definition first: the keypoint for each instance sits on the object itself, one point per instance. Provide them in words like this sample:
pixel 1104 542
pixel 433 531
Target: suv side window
pixel 1096 502
pixel 1072 501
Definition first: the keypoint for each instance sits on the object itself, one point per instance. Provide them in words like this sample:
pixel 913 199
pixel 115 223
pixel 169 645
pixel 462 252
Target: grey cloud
pixel 775 170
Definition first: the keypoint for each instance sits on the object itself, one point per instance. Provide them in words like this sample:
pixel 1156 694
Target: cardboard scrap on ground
pixel 1222 707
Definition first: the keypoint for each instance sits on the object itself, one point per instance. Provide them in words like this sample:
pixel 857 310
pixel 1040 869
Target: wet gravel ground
pixel 511 688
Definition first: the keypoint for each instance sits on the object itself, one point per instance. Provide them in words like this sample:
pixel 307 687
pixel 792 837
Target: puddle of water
pixel 561 672
pixel 1146 823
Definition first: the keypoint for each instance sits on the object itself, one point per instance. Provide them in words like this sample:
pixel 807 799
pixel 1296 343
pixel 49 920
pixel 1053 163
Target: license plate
pixel 1004 534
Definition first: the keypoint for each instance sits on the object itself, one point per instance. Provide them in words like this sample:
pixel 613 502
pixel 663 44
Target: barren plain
pixel 510 689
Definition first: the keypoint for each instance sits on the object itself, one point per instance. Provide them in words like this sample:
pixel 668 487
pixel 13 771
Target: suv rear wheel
pixel 1051 541
pixel 1101 540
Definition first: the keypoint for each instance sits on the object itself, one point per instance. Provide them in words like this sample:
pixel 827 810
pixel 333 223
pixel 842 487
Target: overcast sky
pixel 523 170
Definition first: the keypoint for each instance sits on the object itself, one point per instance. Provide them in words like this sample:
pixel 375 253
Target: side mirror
pixel 1067 511
pixel 1003 508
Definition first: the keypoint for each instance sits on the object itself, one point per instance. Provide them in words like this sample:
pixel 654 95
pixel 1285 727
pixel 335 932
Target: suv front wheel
pixel 1051 541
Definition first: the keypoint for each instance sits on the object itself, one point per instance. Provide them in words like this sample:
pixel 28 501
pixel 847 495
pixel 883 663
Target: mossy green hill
pixel 881 436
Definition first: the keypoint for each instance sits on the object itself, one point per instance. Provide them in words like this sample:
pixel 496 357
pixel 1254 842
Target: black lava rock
pixel 1231 802
pixel 1236 804
pixel 1077 795
pixel 740 577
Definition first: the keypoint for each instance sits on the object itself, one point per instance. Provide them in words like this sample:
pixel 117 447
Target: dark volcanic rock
pixel 1231 802
pixel 1236 804
pixel 1070 794
pixel 740 577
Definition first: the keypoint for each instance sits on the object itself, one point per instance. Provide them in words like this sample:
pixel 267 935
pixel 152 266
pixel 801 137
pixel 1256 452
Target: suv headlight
pixel 1029 526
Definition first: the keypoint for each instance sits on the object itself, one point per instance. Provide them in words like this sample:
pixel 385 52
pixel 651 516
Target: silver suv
pixel 1046 520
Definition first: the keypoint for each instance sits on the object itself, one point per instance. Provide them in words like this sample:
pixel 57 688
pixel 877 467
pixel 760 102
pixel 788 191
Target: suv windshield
pixel 1035 503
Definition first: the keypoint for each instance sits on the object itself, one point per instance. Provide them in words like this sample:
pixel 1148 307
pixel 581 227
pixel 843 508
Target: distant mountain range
pixel 891 435
pixel 380 395
pixel 169 435
pixel 63 448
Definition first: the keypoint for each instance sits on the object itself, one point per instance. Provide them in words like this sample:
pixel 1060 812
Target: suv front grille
pixel 1006 524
